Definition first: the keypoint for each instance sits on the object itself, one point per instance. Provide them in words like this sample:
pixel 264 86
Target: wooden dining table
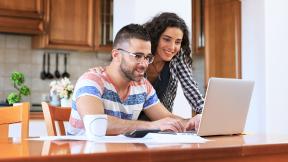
pixel 234 148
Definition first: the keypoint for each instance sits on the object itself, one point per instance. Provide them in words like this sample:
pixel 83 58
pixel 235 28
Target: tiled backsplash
pixel 16 55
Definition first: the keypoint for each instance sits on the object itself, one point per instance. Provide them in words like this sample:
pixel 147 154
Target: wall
pixel 276 65
pixel 253 60
pixel 16 54
pixel 264 58
pixel 264 50
pixel 139 11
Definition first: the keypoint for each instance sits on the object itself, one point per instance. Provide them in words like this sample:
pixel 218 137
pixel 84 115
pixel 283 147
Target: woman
pixel 172 61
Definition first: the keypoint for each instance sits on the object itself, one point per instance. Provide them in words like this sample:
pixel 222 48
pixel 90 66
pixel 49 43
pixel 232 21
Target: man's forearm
pixel 120 126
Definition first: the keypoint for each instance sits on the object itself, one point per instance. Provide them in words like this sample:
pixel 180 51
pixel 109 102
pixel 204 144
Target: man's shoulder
pixel 91 75
pixel 91 78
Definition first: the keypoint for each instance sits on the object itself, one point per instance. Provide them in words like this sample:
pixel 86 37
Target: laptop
pixel 226 106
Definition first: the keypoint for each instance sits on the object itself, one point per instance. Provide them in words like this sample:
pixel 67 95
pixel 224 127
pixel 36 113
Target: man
pixel 122 92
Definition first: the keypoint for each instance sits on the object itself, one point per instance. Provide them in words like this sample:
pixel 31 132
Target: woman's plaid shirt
pixel 181 71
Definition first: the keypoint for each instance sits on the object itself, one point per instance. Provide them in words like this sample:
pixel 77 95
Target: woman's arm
pixel 189 86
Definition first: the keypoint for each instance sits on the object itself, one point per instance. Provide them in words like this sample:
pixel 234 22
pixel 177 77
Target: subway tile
pixel 74 59
pixel 9 68
pixel 37 56
pixel 12 41
pixel 28 82
pixel 40 85
pixel 31 64
pixel 27 99
pixel 24 42
pixel 11 56
pixel 8 85
pixel 2 41
pixel 2 55
pixel 36 97
pixel 2 97
pixel 78 71
pixel 1 85
pixel 36 70
pixel 104 56
pixel 26 56
pixel 26 70
pixel 5 94
pixel 2 70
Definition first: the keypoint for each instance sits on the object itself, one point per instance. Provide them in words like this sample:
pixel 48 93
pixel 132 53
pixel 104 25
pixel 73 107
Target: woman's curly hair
pixel 159 24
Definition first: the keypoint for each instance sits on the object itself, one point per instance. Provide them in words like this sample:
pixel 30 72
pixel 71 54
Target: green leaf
pixel 24 90
pixel 13 98
pixel 17 78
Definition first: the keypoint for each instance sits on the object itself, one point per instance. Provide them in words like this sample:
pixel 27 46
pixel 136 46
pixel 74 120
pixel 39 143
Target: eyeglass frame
pixel 135 54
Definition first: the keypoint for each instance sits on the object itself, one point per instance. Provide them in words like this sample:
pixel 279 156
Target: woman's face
pixel 169 43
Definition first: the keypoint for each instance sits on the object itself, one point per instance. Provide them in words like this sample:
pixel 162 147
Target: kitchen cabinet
pixel 198 42
pixel 22 16
pixel 76 25
pixel 222 38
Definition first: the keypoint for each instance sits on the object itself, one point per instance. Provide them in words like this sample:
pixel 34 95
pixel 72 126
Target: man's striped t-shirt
pixel 141 95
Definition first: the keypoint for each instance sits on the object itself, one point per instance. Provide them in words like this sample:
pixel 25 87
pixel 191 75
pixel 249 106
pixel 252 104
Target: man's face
pixel 131 68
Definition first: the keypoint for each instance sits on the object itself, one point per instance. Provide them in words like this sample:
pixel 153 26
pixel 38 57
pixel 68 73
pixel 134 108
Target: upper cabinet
pixel 22 16
pixel 77 25
pixel 222 38
pixel 198 41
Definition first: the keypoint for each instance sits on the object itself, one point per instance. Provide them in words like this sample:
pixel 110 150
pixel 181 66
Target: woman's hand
pixel 193 123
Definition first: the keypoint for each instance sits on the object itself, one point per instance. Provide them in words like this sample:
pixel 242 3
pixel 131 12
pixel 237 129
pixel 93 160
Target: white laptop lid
pixel 226 106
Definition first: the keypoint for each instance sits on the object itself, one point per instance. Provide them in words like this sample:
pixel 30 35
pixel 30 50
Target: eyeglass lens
pixel 139 56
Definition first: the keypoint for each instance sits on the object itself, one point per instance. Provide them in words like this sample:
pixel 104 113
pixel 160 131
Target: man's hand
pixel 193 123
pixel 168 124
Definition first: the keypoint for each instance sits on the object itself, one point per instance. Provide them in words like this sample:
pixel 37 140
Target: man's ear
pixel 116 55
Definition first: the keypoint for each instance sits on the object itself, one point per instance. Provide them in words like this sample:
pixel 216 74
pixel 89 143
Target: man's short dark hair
pixel 131 31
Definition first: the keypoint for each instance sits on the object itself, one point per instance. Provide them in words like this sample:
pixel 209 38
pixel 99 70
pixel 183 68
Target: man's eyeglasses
pixel 139 56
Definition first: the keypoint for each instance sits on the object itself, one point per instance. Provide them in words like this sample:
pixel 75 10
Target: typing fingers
pixel 176 125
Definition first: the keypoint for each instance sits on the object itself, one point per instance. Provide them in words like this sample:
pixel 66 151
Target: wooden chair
pixel 15 114
pixel 53 115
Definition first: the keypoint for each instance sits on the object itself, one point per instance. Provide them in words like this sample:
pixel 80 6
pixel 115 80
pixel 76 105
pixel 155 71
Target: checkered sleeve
pixel 190 88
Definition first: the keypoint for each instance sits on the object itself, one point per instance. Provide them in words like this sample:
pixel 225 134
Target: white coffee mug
pixel 95 125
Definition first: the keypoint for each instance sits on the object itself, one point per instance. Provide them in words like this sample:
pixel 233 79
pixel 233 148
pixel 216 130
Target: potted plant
pixel 18 80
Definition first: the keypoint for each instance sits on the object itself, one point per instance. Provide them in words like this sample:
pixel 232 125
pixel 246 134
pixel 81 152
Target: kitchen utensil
pixel 49 75
pixel 43 73
pixel 57 73
pixel 65 74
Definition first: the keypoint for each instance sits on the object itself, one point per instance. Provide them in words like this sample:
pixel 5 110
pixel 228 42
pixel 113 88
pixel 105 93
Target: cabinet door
pixel 70 25
pixel 24 17
pixel 103 25
pixel 222 38
pixel 20 8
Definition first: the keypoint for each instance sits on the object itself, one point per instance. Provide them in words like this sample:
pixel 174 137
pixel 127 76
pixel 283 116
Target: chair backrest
pixel 15 114
pixel 53 115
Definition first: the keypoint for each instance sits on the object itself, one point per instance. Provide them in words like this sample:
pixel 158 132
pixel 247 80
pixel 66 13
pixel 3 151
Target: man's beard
pixel 129 73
